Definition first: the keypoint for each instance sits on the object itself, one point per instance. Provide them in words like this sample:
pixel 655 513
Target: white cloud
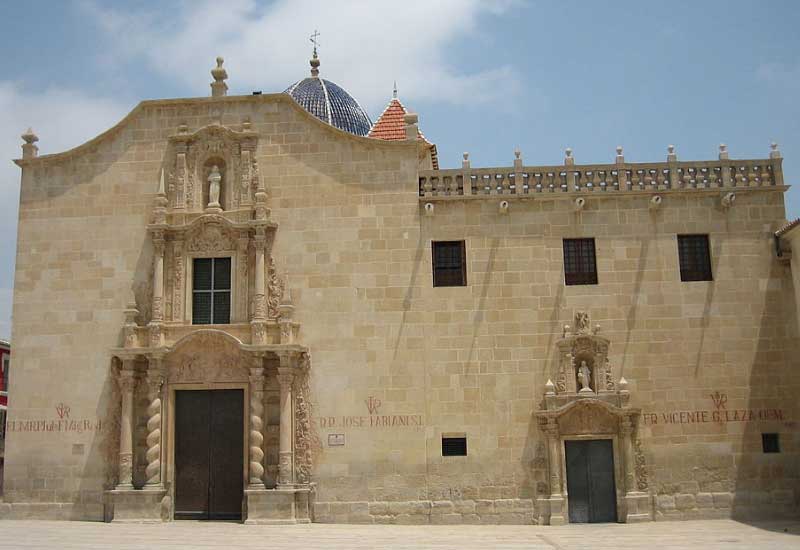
pixel 366 45
pixel 62 119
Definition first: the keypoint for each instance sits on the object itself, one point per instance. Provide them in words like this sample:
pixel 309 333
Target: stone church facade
pixel 268 308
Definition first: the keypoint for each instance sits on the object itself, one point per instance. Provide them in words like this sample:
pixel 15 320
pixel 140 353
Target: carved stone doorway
pixel 209 454
pixel 590 480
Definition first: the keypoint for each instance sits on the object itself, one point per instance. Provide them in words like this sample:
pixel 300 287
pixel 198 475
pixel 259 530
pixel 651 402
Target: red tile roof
pixel 391 126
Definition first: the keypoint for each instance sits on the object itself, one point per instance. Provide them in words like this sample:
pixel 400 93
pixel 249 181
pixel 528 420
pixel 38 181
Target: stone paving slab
pixel 686 535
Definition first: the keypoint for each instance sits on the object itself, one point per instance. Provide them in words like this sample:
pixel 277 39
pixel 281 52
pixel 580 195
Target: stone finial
pixel 29 148
pixel 568 158
pixel 774 152
pixel 549 388
pixel 218 87
pixel 517 159
pixel 623 384
pixel 465 162
pixel 620 156
pixel 671 155
pixel 394 90
pixel 411 120
pixel 723 152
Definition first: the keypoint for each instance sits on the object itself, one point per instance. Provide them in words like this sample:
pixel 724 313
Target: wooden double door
pixel 590 481
pixel 209 454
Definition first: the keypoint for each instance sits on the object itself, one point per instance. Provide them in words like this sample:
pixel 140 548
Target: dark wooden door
pixel 209 455
pixel 590 481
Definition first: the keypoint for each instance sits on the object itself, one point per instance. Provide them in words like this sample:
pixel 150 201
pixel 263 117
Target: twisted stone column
pixel 256 427
pixel 155 381
pixel 285 378
pixel 127 382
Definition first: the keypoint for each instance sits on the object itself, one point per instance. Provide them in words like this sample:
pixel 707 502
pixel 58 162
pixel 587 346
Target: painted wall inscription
pixel 63 423
pixel 720 414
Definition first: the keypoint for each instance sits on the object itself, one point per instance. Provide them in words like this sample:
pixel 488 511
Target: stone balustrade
pixel 619 177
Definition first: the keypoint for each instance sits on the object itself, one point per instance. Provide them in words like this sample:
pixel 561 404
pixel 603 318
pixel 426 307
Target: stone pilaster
pixel 554 454
pixel 258 322
pixel 157 314
pixel 127 383
pixel 285 453
pixel 178 278
pixel 626 431
pixel 256 479
pixel 155 383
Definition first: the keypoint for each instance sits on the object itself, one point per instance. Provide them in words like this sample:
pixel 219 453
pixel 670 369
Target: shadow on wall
pixel 767 484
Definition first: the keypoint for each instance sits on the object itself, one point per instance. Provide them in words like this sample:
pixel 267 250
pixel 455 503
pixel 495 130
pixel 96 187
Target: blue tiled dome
pixel 330 103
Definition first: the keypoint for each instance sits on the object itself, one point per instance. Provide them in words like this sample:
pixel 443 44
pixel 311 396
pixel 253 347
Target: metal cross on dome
pixel 314 41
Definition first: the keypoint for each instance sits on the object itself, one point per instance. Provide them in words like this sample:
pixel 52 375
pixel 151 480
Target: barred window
pixel 580 265
pixel 454 446
pixel 770 443
pixel 695 257
pixel 449 263
pixel 211 291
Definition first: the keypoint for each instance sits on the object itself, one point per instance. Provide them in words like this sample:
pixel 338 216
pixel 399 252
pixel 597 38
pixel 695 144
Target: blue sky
pixel 485 77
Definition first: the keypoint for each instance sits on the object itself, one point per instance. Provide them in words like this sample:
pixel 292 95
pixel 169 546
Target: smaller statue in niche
pixel 585 377
pixel 214 184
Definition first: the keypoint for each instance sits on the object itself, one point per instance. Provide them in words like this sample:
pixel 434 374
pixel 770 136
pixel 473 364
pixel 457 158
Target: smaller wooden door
pixel 209 454
pixel 590 481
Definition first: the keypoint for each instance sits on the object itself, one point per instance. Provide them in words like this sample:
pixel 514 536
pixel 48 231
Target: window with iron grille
pixel 211 291
pixel 454 446
pixel 580 264
pixel 695 257
pixel 449 263
pixel 770 443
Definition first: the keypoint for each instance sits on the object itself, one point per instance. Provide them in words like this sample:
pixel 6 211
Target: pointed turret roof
pixel 391 126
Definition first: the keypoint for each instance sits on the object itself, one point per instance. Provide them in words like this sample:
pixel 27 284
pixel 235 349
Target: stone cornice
pixel 262 98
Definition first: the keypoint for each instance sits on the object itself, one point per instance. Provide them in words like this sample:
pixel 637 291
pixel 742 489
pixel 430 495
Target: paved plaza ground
pixel 694 535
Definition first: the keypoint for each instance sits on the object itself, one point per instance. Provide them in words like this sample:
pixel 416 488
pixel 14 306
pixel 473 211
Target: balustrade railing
pixel 620 176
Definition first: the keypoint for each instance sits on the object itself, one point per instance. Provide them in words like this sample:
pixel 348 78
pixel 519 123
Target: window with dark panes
pixel 454 446
pixel 449 263
pixel 580 264
pixel 211 291
pixel 770 443
pixel 694 256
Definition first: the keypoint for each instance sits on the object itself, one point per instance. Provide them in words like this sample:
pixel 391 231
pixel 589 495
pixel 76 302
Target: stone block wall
pixel 395 362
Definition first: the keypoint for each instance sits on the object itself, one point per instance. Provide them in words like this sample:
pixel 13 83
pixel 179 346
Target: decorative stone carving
pixel 129 336
pixel 306 441
pixel 127 382
pixel 285 379
pixel 582 322
pixel 200 369
pixel 211 237
pixel 642 482
pixel 275 290
pixel 585 419
pixel 215 145
pixel 177 279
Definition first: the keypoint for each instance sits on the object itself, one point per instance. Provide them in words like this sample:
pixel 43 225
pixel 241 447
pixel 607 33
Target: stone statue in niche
pixel 585 377
pixel 214 184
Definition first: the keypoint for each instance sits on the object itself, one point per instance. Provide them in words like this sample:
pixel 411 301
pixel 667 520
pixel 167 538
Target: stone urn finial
pixel 29 148
pixel 218 87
